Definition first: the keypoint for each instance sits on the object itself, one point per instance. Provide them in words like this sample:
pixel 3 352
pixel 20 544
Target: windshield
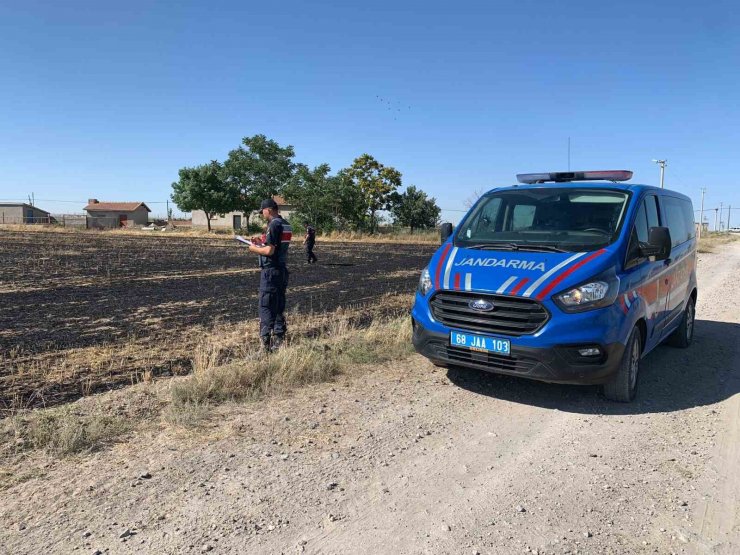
pixel 567 219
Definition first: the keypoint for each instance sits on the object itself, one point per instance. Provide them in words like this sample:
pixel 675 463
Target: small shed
pixel 21 213
pixel 112 215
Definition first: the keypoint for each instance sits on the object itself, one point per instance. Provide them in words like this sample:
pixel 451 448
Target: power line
pixel 73 201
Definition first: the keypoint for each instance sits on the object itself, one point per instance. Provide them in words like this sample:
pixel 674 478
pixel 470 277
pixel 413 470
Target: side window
pixel 651 209
pixel 639 235
pixel 522 217
pixel 641 223
pixel 676 220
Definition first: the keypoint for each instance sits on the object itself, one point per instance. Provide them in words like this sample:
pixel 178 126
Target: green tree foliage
pixel 348 202
pixel 414 209
pixel 310 190
pixel 260 168
pixel 376 182
pixel 325 201
pixel 205 188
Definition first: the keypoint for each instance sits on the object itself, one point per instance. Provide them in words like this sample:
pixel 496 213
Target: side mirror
pixel 445 230
pixel 659 243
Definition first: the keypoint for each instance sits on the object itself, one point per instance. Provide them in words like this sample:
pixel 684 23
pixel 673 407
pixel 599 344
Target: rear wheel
pixel 623 385
pixel 685 331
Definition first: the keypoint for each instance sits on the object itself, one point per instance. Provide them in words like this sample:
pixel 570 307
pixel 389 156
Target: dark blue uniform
pixel 310 242
pixel 274 281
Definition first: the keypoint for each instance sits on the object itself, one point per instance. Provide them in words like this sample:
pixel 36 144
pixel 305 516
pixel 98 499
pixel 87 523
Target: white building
pixel 238 220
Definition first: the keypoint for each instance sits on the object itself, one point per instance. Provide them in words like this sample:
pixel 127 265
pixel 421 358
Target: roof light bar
pixel 564 177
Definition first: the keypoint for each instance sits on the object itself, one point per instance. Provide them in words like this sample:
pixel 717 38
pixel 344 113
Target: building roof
pixel 24 205
pixel 115 206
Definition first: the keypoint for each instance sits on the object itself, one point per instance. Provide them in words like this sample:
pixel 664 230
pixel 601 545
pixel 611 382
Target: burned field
pixel 83 312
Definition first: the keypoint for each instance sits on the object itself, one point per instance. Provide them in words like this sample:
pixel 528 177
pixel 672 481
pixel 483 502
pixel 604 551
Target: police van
pixel 570 277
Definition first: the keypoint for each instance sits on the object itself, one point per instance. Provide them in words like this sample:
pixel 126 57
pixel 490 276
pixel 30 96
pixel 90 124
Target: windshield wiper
pixel 495 247
pixel 516 247
pixel 541 248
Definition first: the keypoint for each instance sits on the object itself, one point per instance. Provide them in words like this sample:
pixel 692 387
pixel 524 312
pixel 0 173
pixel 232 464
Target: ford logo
pixel 481 305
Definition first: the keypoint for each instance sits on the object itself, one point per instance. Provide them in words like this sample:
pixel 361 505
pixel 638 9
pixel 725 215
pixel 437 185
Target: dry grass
pixel 710 241
pixel 425 237
pixel 341 345
pixel 62 431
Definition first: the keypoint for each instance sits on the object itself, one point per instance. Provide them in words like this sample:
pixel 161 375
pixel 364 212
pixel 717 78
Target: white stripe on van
pixel 506 284
pixel 532 288
pixel 448 268
pixel 468 282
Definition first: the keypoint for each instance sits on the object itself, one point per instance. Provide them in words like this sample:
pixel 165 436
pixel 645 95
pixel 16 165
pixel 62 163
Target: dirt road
pixel 414 459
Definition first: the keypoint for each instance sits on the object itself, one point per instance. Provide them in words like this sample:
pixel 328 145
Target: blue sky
pixel 109 100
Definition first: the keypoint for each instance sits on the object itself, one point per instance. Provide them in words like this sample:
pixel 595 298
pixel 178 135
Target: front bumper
pixel 558 364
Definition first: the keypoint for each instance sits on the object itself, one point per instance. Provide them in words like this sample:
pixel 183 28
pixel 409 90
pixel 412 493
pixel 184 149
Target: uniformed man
pixel 309 241
pixel 273 258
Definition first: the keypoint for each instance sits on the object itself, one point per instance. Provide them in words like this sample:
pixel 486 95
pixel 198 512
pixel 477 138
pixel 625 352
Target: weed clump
pixel 63 432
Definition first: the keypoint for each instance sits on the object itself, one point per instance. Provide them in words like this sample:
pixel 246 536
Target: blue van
pixel 572 277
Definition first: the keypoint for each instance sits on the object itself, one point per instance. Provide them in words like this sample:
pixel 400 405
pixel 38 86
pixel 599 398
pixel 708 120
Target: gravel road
pixel 410 458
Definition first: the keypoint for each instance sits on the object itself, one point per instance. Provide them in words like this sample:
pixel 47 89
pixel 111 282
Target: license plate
pixel 480 343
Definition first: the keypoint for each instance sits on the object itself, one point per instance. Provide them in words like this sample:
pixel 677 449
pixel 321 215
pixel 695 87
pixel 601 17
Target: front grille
pixel 485 361
pixel 510 316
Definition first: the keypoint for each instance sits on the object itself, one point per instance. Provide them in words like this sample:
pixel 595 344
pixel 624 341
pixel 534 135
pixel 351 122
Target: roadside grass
pixel 340 345
pixel 61 431
pixel 710 241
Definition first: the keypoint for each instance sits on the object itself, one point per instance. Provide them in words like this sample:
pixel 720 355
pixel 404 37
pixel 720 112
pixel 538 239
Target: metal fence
pixel 81 221
pixel 30 220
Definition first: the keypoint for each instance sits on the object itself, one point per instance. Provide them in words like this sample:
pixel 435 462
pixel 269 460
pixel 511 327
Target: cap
pixel 268 203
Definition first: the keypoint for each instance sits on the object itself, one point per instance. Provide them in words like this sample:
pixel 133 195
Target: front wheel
pixel 623 385
pixel 685 331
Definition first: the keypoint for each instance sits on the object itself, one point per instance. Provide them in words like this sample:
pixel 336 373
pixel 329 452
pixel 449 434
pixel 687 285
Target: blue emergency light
pixel 564 177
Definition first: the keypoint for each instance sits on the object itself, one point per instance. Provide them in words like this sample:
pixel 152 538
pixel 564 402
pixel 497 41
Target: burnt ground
pixel 65 296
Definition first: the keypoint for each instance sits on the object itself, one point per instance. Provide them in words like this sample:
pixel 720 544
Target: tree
pixel 205 188
pixel 311 192
pixel 376 182
pixel 348 202
pixel 414 209
pixel 326 201
pixel 259 168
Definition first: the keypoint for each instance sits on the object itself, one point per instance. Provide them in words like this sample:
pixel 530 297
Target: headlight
pixel 425 281
pixel 594 294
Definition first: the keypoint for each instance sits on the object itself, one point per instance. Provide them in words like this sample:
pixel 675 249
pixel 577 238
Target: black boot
pixel 277 342
pixel 265 342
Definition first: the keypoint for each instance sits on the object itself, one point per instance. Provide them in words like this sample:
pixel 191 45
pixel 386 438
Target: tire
pixel 623 385
pixel 684 333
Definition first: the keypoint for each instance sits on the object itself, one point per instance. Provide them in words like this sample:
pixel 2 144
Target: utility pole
pixel 716 212
pixel 662 164
pixel 720 217
pixel 729 213
pixel 701 211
